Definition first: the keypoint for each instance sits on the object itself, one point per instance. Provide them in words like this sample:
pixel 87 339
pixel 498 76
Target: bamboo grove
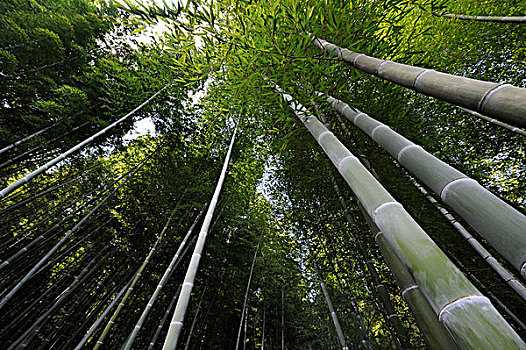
pixel 262 174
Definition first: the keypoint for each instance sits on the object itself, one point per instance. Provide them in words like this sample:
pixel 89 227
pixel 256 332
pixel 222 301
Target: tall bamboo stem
pixel 162 282
pixel 64 155
pixel 503 102
pixel 495 220
pixel 457 303
pixel 174 331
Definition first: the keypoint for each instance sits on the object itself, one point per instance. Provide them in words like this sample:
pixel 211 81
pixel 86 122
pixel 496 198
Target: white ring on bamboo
pixel 188 284
pixel 176 323
pixel 380 65
pixel 488 94
pixel 358 115
pixel 407 289
pixel 322 134
pixel 378 235
pixel 342 160
pixel 419 76
pixel 379 126
pixel 346 106
pixel 392 315
pixel 354 60
pixel 445 189
pixel 457 302
pixel 401 152
pixel 382 206
pixel 523 270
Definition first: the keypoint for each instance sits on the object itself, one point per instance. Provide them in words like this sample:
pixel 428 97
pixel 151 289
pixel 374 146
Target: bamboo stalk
pixel 496 122
pixel 456 302
pixel 99 320
pixel 246 292
pixel 187 345
pixel 334 317
pixel 15 144
pixel 184 298
pixel 498 19
pixel 165 317
pixel 495 220
pixel 503 102
pixel 152 251
pixel 161 284
pixel 392 318
pixel 40 147
pixel 70 232
pixel 64 155
pixel 436 335
pixel 503 272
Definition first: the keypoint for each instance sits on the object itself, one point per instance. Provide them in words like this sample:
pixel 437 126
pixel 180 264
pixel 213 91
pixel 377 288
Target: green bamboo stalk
pixel 41 146
pixel 165 317
pixel 436 335
pixel 246 292
pixel 161 284
pixel 184 298
pixel 19 285
pixel 503 102
pixel 99 320
pixel 106 331
pixel 456 302
pixel 187 345
pixel 498 19
pixel 29 334
pixel 64 155
pixel 392 318
pixel 503 272
pixel 15 144
pixel 495 220
pixel 496 122
pixel 334 317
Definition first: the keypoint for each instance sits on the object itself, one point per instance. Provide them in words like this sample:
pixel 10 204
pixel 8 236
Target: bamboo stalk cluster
pixel 503 102
pixel 455 301
pixel 495 220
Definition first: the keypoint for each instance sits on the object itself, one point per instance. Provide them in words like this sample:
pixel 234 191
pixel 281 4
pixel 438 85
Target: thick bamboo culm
pixel 436 335
pixel 499 19
pixel 19 183
pixel 391 316
pixel 503 102
pixel 176 324
pixel 503 272
pixel 456 302
pixel 495 220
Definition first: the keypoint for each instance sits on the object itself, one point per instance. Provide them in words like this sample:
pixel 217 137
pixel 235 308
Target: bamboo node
pixel 354 60
pixel 419 76
pixel 457 302
pixel 445 189
pixel 400 153
pixel 340 163
pixel 488 94
pixel 382 206
pixel 407 289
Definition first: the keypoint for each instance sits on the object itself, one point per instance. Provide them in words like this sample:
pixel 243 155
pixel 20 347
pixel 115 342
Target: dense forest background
pixel 74 238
